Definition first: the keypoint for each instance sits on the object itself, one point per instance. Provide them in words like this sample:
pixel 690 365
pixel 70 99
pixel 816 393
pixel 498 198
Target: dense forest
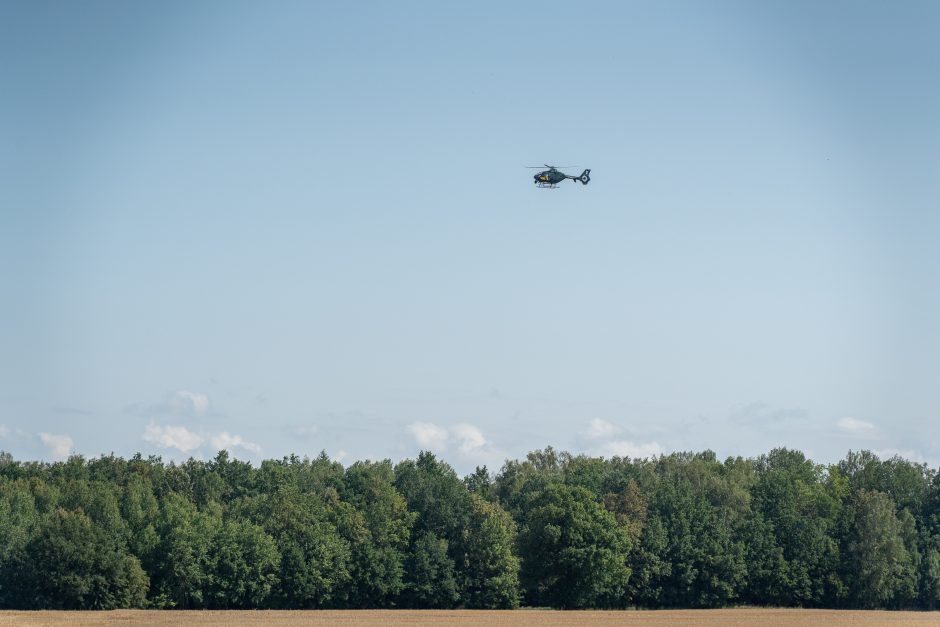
pixel 682 530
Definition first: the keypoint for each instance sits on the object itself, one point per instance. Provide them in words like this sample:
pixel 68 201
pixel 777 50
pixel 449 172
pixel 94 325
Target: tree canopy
pixel 553 529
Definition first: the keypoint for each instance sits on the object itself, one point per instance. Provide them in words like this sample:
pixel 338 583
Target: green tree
pixel 480 482
pixel 906 483
pixel 517 480
pixel 647 540
pixel 243 566
pixel 75 565
pixel 315 558
pixel 378 559
pixel 683 530
pixel 442 507
pixel 429 575
pixel 435 493
pixel 140 510
pixel 648 563
pixel 910 569
pixel 574 554
pixel 205 561
pixel 792 554
pixel 876 558
pixel 490 570
pixel 702 514
pixel 930 575
pixel 18 523
pixel 182 566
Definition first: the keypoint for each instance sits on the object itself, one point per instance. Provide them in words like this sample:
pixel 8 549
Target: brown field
pixel 740 616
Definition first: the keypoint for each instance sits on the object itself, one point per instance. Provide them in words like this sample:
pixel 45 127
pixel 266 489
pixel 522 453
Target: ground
pixel 740 616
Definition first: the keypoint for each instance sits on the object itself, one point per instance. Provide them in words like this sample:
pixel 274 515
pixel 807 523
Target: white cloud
pixel 171 436
pixel 340 456
pixel 625 448
pixel 429 435
pixel 469 438
pixel 59 445
pixel 3 431
pixel 184 440
pixel 599 429
pixel 857 428
pixel 606 446
pixel 228 442
pixel 192 401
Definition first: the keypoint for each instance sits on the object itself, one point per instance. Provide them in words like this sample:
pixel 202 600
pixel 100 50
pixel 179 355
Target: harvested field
pixel 741 616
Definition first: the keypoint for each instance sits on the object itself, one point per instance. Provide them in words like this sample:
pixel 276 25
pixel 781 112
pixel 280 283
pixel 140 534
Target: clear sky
pixel 285 227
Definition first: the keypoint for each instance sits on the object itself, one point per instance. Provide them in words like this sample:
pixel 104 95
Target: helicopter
pixel 551 177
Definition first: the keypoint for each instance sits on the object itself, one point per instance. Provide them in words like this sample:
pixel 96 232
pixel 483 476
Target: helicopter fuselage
pixel 549 177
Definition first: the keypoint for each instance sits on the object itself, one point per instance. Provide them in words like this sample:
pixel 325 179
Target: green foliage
pixel 430 579
pixel 703 517
pixel 205 561
pixel 480 482
pixel 378 557
pixel 478 537
pixel 435 493
pixel 19 519
pixel 878 565
pixel 315 558
pixel 930 576
pixel 683 530
pixel 490 570
pixel 75 565
pixel 181 567
pixel 792 555
pixel 441 504
pixel 575 553
pixel 243 566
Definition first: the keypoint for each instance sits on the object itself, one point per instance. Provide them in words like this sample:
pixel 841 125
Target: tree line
pixel 554 529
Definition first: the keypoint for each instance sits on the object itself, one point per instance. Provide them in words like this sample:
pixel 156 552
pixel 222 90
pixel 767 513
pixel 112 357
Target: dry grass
pixel 742 616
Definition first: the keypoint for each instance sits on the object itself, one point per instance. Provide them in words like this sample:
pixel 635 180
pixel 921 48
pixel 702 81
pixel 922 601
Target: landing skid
pixel 547 185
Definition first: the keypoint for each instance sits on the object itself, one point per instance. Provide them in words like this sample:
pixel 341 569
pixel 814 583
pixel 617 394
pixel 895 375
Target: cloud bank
pixel 857 428
pixel 59 445
pixel 184 440
pixel 465 439
pixel 602 430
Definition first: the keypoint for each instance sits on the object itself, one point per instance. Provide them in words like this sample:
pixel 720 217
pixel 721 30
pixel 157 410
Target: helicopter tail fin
pixel 585 177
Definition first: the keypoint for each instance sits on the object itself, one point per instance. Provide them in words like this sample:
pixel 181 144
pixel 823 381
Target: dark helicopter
pixel 552 177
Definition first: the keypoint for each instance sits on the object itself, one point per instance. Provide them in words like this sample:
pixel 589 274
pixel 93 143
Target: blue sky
pixel 285 228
